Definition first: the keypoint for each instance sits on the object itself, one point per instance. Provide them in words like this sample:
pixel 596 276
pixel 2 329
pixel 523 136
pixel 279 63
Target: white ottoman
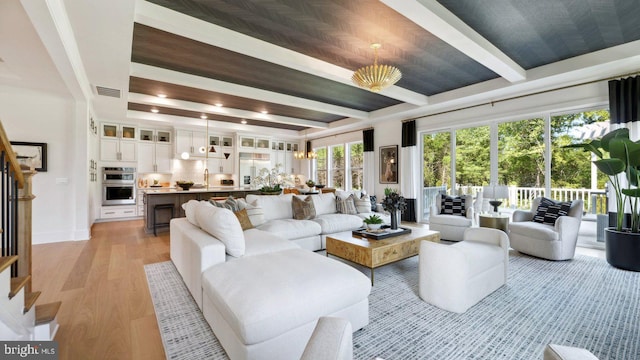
pixel 455 277
pixel 266 306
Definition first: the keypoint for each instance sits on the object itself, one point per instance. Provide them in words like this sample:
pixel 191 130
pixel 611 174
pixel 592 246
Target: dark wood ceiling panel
pixel 340 32
pixel 535 33
pixel 212 116
pixel 162 49
pixel 178 92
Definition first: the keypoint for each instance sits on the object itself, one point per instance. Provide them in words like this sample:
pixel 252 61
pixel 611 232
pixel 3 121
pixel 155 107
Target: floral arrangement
pixel 393 201
pixel 273 180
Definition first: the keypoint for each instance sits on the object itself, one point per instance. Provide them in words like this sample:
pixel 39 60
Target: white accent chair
pixel 456 277
pixel 331 340
pixel 557 242
pixel 451 227
pixel 560 352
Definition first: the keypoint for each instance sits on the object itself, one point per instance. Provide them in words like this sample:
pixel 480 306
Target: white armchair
pixel 552 242
pixel 451 227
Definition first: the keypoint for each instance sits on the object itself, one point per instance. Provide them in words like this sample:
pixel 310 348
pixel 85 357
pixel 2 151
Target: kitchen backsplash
pixel 187 170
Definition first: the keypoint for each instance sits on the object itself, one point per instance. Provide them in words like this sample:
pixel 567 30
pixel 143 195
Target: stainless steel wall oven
pixel 118 186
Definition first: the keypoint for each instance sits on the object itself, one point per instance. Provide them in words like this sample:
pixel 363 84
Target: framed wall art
pixel 37 152
pixel 389 164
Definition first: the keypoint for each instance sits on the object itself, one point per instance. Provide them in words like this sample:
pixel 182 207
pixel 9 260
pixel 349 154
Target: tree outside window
pixel 337 166
pixel 356 162
pixel 321 166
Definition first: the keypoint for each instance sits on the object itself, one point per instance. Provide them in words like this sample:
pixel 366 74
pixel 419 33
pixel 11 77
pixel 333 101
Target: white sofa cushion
pixel 534 230
pixel 261 242
pixel 283 296
pixel 291 229
pixel 450 220
pixel 223 225
pixel 324 203
pixel 274 206
pixel 190 210
pixel 332 223
pixel 560 352
pixel 255 212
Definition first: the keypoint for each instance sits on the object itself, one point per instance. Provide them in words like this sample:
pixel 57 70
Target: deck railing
pixel 595 200
pixel 10 180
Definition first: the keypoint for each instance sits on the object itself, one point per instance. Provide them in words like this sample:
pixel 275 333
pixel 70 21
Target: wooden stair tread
pixel 30 300
pixel 18 283
pixel 6 261
pixel 47 312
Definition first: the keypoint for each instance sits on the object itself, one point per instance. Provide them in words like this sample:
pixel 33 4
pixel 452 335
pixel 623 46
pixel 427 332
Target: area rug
pixel 583 302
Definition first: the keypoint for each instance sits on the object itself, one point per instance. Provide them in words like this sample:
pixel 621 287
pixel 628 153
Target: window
pixel 337 166
pixel 436 164
pixel 340 166
pixel 521 162
pixel 321 166
pixel 356 163
pixel 473 151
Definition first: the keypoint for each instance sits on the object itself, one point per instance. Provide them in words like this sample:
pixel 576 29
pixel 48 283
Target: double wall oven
pixel 118 186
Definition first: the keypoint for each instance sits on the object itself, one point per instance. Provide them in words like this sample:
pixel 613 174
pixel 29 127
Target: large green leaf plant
pixel 619 159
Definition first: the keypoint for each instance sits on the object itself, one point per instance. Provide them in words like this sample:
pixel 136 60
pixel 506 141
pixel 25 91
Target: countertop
pixel 152 191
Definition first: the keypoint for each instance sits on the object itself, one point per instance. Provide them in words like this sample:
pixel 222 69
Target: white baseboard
pixel 59 236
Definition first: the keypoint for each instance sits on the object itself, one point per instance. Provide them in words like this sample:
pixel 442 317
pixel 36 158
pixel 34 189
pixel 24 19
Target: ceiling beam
pixel 204 83
pixel 212 109
pixel 183 25
pixel 436 19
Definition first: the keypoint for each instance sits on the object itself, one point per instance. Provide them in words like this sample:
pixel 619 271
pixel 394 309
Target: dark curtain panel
pixel 624 100
pixel 367 139
pixel 410 213
pixel 409 135
pixel 309 149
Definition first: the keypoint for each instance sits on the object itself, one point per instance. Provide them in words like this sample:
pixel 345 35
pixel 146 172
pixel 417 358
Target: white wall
pixel 61 204
pixel 384 134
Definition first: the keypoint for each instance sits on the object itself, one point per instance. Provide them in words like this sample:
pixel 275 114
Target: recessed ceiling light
pixel 155 111
pixel 219 105
pixel 162 95
pixel 243 121
pixel 264 112
pixel 203 116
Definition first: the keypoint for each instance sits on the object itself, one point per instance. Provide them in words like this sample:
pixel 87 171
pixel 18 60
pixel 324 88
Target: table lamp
pixel 495 192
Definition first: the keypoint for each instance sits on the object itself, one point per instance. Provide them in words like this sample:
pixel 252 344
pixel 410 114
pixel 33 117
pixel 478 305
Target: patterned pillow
pixel 244 220
pixel 363 205
pixel 230 203
pixel 549 211
pixel 303 209
pixel 255 212
pixel 374 201
pixel 452 205
pixel 346 206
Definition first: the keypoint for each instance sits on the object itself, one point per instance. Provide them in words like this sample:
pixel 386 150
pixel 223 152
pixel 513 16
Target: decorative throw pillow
pixel 303 209
pixel 346 206
pixel 190 211
pixel 230 203
pixel 374 202
pixel 453 205
pixel 363 205
pixel 549 211
pixel 255 212
pixel 224 226
pixel 244 220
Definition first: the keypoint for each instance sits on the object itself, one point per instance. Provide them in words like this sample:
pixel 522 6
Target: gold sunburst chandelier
pixel 376 77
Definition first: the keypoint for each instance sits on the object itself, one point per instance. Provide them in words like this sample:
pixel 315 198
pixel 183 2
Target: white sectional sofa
pixel 237 277
pixel 309 234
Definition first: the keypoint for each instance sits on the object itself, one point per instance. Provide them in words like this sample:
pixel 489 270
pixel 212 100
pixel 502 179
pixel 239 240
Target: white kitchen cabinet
pixel 117 150
pixel 154 157
pixel 221 166
pixel 155 135
pixel 282 153
pixel 191 142
pixel 118 211
pixel 117 142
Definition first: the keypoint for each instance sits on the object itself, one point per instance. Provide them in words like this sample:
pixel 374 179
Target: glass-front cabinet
pixel 118 131
pixel 152 135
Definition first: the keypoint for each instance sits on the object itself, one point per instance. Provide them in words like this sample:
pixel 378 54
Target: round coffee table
pixel 495 221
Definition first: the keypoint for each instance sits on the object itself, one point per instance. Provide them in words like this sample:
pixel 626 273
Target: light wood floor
pixel 106 310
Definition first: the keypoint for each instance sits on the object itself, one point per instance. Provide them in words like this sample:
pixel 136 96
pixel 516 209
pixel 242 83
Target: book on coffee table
pixel 382 233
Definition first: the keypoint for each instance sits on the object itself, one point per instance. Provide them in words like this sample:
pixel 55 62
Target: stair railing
pixel 11 180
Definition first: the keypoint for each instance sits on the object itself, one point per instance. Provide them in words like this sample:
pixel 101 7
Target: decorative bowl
pixel 319 186
pixel 374 226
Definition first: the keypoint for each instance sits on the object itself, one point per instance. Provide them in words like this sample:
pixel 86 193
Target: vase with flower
pixel 394 203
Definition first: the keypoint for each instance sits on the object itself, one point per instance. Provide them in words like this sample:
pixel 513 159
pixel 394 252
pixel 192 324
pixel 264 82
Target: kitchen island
pixel 177 197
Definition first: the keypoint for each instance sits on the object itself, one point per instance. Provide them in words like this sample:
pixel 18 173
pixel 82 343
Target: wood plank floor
pixel 106 310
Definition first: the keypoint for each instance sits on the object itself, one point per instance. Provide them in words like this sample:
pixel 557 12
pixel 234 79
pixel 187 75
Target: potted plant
pixel 619 159
pixel 271 182
pixel 374 222
pixel 393 203
pixel 310 183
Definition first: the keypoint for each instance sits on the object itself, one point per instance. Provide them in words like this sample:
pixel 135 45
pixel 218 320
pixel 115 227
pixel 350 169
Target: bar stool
pixel 157 208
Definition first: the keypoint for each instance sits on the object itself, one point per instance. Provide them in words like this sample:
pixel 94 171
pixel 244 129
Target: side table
pixel 495 221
